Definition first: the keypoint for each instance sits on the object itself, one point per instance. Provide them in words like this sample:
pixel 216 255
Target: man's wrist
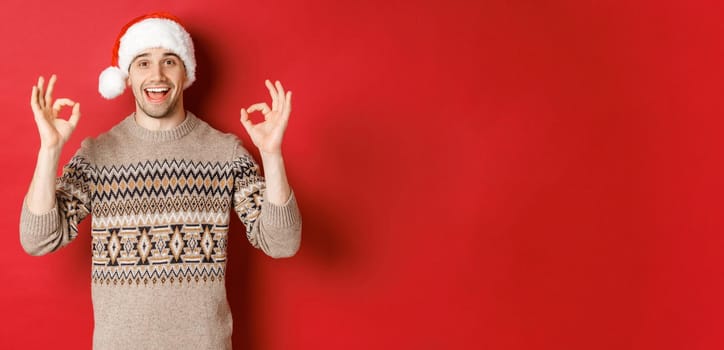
pixel 50 151
pixel 271 155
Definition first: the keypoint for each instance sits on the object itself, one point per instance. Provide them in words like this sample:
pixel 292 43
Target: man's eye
pixel 143 64
pixel 170 62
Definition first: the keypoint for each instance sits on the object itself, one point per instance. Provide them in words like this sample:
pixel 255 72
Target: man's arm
pixel 40 228
pixel 54 133
pixel 277 186
pixel 278 231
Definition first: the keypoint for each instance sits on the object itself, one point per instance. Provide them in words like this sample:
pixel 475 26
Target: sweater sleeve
pixel 275 229
pixel 47 232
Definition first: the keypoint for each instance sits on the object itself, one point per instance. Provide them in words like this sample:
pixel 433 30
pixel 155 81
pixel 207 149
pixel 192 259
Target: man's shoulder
pixel 215 136
pixel 104 137
pixel 93 147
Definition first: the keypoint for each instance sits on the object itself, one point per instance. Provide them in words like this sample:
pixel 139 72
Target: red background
pixel 503 174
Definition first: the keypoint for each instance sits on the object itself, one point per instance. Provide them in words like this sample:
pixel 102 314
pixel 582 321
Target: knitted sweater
pixel 160 204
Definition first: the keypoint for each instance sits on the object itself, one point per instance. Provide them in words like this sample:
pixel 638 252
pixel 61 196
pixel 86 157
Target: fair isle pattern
pixel 161 221
pixel 73 193
pixel 159 254
pixel 161 274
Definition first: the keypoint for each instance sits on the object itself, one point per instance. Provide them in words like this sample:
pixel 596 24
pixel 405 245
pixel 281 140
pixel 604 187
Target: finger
pixel 244 116
pixel 288 104
pixel 273 93
pixel 245 121
pixel 34 100
pixel 287 108
pixel 59 103
pixel 41 100
pixel 262 106
pixel 49 91
pixel 75 115
pixel 280 94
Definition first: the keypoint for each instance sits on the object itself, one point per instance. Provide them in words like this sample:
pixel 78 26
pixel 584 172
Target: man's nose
pixel 157 72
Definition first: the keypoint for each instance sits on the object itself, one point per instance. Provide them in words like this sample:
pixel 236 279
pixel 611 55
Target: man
pixel 160 186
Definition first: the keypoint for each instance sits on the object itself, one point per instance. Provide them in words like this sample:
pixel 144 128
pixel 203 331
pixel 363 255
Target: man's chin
pixel 156 112
pixel 157 116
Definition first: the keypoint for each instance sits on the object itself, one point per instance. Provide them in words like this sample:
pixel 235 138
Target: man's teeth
pixel 156 89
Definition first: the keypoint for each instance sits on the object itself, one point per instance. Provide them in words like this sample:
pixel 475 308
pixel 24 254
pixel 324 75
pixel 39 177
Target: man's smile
pixel 156 94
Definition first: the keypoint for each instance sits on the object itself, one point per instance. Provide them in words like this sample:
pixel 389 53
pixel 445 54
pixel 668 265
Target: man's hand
pixel 267 135
pixel 54 132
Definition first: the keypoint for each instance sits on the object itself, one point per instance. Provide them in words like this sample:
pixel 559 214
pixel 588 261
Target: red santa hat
pixel 155 30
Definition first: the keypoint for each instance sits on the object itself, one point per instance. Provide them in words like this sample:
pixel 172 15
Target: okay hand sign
pixel 267 135
pixel 54 132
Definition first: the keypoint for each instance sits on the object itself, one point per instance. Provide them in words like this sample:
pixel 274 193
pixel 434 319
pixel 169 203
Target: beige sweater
pixel 160 204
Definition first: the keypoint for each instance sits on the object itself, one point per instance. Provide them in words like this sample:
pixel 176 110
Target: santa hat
pixel 155 30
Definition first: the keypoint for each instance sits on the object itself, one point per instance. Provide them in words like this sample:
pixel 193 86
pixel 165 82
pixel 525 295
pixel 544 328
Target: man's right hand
pixel 54 132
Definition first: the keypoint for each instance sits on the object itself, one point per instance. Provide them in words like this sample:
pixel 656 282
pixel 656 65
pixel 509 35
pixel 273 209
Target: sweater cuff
pixel 286 215
pixel 39 224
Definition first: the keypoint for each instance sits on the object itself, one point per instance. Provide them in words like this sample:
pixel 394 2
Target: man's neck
pixel 157 124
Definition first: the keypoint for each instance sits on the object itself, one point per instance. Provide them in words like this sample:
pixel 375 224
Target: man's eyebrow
pixel 165 54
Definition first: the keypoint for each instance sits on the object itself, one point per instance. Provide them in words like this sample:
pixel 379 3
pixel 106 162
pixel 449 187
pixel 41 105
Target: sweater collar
pixel 161 135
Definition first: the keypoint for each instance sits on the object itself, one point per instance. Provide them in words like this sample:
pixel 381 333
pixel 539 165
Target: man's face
pixel 157 77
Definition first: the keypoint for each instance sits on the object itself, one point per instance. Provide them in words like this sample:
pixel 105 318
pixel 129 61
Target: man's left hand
pixel 267 135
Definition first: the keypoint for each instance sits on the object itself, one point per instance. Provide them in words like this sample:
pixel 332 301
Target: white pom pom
pixel 112 82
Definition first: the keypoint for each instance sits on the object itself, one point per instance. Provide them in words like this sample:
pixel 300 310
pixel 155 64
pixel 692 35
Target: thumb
pixel 75 115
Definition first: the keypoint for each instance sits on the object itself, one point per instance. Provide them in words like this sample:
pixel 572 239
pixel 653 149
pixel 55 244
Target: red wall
pixel 473 175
